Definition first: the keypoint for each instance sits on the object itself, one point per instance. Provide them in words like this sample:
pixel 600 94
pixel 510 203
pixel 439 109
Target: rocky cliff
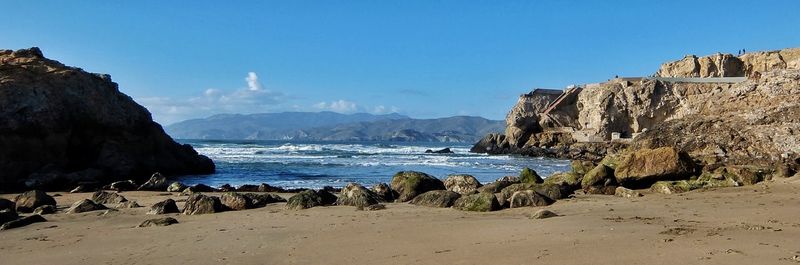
pixel 754 121
pixel 60 125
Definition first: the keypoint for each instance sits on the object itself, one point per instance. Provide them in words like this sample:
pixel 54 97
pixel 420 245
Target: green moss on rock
pixel 529 176
pixel 409 184
pixel 480 202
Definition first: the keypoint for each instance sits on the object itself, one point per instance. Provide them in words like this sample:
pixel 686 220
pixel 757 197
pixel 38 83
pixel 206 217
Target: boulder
pixel 356 195
pixel 159 222
pixel 45 209
pixel 462 184
pixel 527 198
pixel 601 175
pixel 202 204
pixel 409 184
pixel 82 188
pixel 304 200
pixel 566 179
pixel 30 200
pixel 85 205
pixel 264 187
pixel 504 195
pixel 742 175
pixel 440 151
pixel 542 214
pixel 496 186
pixel 128 205
pixel 198 188
pixel 553 191
pixel 6 204
pixel 436 198
pixel 247 188
pixel 235 201
pixel 328 198
pixel 512 179
pixel 8 215
pixel 603 190
pixel 480 202
pixel 672 187
pixel 581 167
pixel 105 197
pixel 261 200
pixel 64 121
pixel 385 192
pixel 646 166
pixel 176 187
pixel 626 193
pixel 164 207
pixel 23 222
pixel 124 185
pixel 529 176
pixel 157 182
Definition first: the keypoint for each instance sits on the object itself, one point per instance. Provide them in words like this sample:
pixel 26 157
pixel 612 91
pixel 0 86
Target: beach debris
pixel 543 213
pixel 409 184
pixel 29 200
pixel 356 195
pixel 159 222
pixel 45 209
pixel 436 198
pixel 23 222
pixel 462 184
pixel 105 197
pixel 164 207
pixel 85 205
pixel 528 198
pixel 202 204
pixel 480 202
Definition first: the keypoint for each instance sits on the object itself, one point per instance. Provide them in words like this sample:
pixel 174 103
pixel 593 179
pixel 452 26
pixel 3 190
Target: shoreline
pixel 708 226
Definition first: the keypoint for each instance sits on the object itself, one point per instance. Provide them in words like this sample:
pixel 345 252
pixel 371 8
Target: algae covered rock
pixel 235 202
pixel 496 186
pixel 742 175
pixel 436 198
pixel 600 175
pixel 356 195
pixel 581 167
pixel 309 198
pixel 30 200
pixel 646 166
pixel 409 184
pixel 462 184
pixel 261 200
pixel 566 179
pixel 626 193
pixel 530 176
pixel 480 202
pixel 157 182
pixel 672 187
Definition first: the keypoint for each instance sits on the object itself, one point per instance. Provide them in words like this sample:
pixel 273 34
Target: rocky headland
pixel 61 126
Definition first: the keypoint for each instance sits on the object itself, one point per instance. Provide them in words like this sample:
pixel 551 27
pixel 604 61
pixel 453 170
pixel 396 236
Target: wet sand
pixel 757 224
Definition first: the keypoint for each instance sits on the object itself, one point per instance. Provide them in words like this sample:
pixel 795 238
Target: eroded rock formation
pixel 60 125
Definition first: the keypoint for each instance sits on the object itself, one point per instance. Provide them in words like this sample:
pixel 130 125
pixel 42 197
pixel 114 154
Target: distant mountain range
pixel 331 126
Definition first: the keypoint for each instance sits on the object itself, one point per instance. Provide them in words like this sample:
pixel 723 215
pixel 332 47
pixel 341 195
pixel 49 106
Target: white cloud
pixel 381 109
pixel 341 106
pixel 252 82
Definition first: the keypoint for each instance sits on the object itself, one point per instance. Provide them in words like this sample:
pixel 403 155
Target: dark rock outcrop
pixel 261 200
pixel 45 209
pixel 436 198
pixel 528 198
pixel 385 192
pixel 8 216
pixel 30 200
pixel 309 198
pixel 409 184
pixel 60 125
pixel 164 207
pixel 7 205
pixel 122 185
pixel 440 151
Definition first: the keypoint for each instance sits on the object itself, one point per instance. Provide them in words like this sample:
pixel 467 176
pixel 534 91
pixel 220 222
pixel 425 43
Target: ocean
pixel 318 164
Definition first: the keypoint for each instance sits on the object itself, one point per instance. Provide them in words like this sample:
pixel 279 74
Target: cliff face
pixel 746 122
pixel 727 65
pixel 60 125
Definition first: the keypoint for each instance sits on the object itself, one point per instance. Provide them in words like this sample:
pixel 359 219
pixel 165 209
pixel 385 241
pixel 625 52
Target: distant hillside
pixel 330 126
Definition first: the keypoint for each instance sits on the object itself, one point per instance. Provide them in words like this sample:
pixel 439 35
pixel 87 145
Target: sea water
pixel 318 164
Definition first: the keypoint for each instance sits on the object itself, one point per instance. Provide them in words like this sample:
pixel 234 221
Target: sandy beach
pixel 744 225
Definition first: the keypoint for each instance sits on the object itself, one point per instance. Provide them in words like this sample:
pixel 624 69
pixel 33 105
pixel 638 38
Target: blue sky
pixel 190 59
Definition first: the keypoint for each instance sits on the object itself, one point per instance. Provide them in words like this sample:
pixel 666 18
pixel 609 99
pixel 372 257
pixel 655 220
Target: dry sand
pixel 747 225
